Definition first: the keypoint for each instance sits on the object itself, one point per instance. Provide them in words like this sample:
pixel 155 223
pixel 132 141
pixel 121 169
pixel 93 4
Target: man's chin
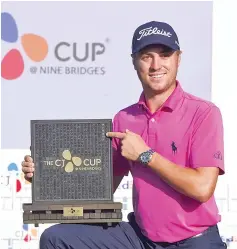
pixel 158 87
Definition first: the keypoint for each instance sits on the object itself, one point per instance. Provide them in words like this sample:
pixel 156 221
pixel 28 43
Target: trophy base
pixel 76 213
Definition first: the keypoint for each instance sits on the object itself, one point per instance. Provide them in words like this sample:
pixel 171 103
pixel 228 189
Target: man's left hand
pixel 132 145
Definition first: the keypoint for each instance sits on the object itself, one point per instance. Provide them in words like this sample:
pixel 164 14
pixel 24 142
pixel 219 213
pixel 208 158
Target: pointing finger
pixel 119 135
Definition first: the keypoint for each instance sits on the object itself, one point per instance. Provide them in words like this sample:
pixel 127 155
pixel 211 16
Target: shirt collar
pixel 171 102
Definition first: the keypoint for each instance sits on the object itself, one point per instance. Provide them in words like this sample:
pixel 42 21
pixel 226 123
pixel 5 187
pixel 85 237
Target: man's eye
pixel 165 54
pixel 145 57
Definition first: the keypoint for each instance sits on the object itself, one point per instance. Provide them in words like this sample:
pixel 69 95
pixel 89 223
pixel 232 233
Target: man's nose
pixel 156 63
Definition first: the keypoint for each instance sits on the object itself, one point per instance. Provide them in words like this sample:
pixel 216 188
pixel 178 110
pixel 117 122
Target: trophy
pixel 73 178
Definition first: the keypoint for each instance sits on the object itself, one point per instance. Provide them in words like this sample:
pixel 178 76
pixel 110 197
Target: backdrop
pixel 72 60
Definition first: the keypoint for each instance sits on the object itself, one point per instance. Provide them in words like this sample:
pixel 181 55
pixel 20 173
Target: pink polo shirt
pixel 187 131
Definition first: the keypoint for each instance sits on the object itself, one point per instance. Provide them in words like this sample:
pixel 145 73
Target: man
pixel 172 143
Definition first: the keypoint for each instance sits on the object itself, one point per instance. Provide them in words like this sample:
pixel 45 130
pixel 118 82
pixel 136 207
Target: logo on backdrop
pixel 26 234
pixel 35 49
pixel 72 163
pixel 15 190
pixel 18 177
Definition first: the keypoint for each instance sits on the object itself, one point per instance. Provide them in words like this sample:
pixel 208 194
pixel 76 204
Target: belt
pixel 166 244
pixel 198 235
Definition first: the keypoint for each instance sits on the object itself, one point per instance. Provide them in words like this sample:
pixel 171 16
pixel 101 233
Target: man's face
pixel 157 68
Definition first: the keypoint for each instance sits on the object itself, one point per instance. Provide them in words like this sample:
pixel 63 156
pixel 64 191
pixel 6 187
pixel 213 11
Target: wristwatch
pixel 146 156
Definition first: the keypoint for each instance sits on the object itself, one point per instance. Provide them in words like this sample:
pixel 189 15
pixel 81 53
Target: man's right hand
pixel 28 167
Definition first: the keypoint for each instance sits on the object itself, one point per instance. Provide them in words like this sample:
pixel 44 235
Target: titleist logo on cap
pixel 153 31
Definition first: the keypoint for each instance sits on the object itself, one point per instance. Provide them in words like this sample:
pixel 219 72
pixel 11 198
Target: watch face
pixel 144 158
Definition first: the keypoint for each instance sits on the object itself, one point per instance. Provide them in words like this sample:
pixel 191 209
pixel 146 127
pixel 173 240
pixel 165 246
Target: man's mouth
pixel 157 76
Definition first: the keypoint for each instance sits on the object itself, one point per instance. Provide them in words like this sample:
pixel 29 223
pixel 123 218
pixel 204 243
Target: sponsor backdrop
pixel 72 60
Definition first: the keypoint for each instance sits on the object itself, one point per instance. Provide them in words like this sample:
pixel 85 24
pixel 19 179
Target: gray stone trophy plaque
pixel 73 179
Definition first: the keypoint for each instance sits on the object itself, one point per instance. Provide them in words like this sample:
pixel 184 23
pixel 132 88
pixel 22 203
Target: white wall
pixel 225 96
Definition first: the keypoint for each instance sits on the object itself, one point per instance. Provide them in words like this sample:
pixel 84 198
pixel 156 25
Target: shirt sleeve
pixel 121 165
pixel 207 144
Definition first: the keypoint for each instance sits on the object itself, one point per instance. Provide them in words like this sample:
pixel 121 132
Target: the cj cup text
pixel 61 162
pixel 82 164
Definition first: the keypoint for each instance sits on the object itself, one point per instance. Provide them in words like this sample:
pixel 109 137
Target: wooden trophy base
pixel 76 213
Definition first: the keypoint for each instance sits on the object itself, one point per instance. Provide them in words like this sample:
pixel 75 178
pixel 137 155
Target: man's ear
pixel 179 57
pixel 134 61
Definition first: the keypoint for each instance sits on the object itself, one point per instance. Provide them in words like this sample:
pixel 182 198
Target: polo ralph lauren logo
pixel 174 148
pixel 218 155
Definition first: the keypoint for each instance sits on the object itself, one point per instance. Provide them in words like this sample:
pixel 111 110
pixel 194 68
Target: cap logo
pixel 177 43
pixel 153 31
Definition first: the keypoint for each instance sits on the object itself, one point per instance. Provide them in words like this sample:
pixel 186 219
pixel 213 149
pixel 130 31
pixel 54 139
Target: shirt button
pixel 152 120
